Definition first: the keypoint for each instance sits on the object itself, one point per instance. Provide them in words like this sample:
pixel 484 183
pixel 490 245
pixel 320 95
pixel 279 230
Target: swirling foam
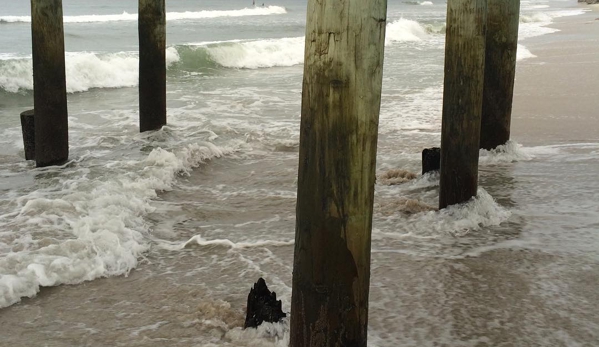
pixel 85 228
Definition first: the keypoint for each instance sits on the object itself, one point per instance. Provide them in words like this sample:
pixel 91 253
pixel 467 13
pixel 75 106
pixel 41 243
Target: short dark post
pixel 49 84
pixel 462 100
pixel 431 159
pixel 500 69
pixel 338 140
pixel 28 129
pixel 152 65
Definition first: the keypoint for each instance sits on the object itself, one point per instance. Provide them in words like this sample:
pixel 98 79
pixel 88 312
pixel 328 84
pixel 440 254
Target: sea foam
pixel 170 16
pixel 523 53
pixel 87 70
pixel 405 30
pixel 456 220
pixel 510 152
pixel 258 54
pixel 84 71
pixel 82 228
pixel 536 24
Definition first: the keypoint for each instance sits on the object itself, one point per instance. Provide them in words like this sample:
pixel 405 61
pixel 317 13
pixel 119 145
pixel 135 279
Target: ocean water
pixel 155 239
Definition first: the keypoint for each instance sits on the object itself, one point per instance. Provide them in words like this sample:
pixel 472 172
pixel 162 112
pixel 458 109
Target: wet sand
pixel 514 296
pixel 555 97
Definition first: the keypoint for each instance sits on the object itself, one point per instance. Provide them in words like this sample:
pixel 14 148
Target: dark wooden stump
pixel 28 129
pixel 431 159
pixel 262 306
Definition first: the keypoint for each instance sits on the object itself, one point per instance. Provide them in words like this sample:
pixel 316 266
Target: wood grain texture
pixel 49 83
pixel 340 111
pixel 503 17
pixel 462 100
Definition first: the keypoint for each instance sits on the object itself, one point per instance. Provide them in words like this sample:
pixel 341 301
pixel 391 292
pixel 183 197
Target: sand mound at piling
pixel 396 176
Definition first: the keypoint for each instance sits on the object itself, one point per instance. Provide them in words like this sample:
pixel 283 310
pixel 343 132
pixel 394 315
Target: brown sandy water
pixel 454 278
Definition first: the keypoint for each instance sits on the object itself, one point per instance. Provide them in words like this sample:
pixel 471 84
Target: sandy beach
pixel 555 97
pixel 514 295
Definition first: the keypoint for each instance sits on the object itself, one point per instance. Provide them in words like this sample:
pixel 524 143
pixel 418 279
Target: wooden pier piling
pixel 49 83
pixel 152 64
pixel 338 138
pixel 462 100
pixel 500 69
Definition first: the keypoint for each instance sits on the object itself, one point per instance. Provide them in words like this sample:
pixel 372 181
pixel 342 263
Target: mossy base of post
pixel 28 129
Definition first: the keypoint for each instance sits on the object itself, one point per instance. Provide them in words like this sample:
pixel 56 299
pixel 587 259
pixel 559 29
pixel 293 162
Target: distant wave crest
pixel 87 70
pixel 411 30
pixel 170 16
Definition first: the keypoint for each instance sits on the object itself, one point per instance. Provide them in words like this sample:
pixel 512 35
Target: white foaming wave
pixel 290 51
pixel 510 152
pixel 409 111
pixel 405 30
pixel 200 241
pixel 535 24
pixel 89 70
pixel 16 74
pixel 535 18
pixel 258 54
pixel 523 53
pixel 559 150
pixel 536 7
pixel 256 11
pixel 8 56
pixel 456 220
pixel 84 71
pixel 426 3
pixel 172 56
pixel 89 233
pixel 15 19
pixel 265 335
pixel 98 18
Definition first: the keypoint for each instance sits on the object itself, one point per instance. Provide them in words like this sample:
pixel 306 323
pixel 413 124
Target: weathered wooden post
pixel 338 138
pixel 500 69
pixel 462 100
pixel 152 64
pixel 49 83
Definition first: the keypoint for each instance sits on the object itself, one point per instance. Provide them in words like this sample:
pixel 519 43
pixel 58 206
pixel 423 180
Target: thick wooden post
pixel 152 64
pixel 49 83
pixel 462 100
pixel 500 69
pixel 338 138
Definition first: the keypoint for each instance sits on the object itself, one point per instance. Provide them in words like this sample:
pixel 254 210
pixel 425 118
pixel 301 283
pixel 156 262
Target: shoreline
pixel 555 93
pixel 480 294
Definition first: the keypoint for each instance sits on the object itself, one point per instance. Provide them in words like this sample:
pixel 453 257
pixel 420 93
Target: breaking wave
pixel 87 70
pixel 95 228
pixel 170 16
